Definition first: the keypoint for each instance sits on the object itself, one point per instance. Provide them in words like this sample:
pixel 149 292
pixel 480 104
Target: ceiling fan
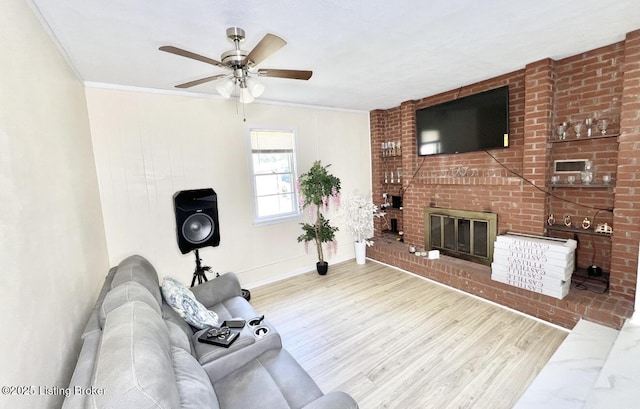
pixel 242 66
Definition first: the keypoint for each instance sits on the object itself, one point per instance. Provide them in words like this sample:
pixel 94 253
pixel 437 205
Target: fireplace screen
pixel 463 234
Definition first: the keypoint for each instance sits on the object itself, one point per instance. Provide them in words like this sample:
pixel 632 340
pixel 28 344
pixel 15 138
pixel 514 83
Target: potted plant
pixel 316 188
pixel 360 212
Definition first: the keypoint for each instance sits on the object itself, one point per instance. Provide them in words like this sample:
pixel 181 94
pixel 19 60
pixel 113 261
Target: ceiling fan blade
pixel 290 74
pixel 189 54
pixel 200 81
pixel 269 44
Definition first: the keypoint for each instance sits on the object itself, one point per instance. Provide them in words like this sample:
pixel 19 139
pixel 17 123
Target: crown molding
pixel 117 87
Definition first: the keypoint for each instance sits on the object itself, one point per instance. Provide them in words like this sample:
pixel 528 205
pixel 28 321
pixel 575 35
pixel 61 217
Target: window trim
pixel 262 221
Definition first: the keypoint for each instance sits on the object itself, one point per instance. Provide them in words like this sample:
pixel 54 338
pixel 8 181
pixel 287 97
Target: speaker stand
pixel 200 270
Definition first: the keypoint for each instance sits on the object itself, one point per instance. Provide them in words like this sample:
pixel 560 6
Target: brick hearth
pixel 475 279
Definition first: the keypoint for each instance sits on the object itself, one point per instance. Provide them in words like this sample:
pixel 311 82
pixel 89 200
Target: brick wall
pixel 602 83
pixel 626 217
pixel 427 180
pixel 589 85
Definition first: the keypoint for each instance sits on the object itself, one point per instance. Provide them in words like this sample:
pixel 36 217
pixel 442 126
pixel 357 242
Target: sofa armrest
pixel 230 360
pixel 333 400
pixel 93 323
pixel 83 371
pixel 217 290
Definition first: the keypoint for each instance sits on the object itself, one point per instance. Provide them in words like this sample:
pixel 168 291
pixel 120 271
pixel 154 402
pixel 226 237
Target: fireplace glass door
pixel 468 235
pixel 480 238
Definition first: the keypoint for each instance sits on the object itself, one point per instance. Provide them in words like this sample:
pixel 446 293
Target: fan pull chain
pixel 244 115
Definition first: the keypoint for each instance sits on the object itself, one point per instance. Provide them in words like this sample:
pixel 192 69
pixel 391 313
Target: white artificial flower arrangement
pixel 360 212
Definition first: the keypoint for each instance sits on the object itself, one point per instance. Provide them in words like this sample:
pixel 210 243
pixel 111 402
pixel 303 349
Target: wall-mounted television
pixel 476 122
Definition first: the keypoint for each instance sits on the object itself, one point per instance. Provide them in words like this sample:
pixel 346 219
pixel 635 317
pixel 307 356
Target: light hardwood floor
pixel 394 340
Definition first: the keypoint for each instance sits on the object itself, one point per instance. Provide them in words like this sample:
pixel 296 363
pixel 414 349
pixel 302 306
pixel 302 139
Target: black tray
pixel 220 341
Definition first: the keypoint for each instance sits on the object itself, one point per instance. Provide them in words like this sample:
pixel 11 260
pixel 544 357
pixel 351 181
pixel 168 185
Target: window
pixel 273 169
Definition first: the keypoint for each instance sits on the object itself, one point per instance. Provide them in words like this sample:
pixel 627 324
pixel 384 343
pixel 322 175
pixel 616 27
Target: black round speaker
pixel 198 228
pixel 197 222
pixel 246 294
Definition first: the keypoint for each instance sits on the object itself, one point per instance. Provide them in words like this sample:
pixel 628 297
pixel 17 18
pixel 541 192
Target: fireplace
pixel 463 234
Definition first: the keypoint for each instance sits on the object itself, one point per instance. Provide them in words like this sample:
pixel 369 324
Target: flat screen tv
pixel 477 122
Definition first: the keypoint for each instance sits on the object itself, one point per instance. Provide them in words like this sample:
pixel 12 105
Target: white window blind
pixel 273 168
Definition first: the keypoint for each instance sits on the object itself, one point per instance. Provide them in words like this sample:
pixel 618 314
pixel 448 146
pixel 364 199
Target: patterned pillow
pixel 182 300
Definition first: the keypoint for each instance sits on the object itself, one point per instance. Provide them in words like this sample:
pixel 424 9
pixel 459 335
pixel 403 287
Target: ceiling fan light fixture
pixel 255 87
pixel 225 87
pixel 245 96
pixel 238 64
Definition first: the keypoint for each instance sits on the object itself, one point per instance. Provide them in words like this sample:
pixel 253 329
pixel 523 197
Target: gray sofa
pixel 138 353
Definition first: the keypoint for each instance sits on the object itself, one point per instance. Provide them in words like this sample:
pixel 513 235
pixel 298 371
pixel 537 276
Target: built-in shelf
pixel 585 138
pixel 582 185
pixel 581 148
pixel 577 230
pixel 584 273
pixel 583 281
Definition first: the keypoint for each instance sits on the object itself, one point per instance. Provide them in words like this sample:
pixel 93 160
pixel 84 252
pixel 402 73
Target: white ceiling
pixel 365 54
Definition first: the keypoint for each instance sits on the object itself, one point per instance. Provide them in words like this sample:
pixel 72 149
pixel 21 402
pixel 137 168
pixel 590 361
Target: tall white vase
pixel 361 252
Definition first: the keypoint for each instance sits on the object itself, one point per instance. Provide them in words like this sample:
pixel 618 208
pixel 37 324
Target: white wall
pixel 52 243
pixel 149 145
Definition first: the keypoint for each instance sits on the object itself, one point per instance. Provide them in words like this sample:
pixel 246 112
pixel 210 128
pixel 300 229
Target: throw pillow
pixel 182 300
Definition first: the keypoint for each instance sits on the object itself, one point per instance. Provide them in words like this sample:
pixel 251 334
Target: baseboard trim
pixel 294 273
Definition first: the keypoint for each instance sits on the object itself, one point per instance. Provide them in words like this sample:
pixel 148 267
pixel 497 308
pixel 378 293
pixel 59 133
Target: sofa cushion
pixel 274 380
pixel 178 337
pixel 193 383
pixel 134 368
pixel 137 268
pixel 124 293
pixel 182 300
pixel 333 399
pixel 169 314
